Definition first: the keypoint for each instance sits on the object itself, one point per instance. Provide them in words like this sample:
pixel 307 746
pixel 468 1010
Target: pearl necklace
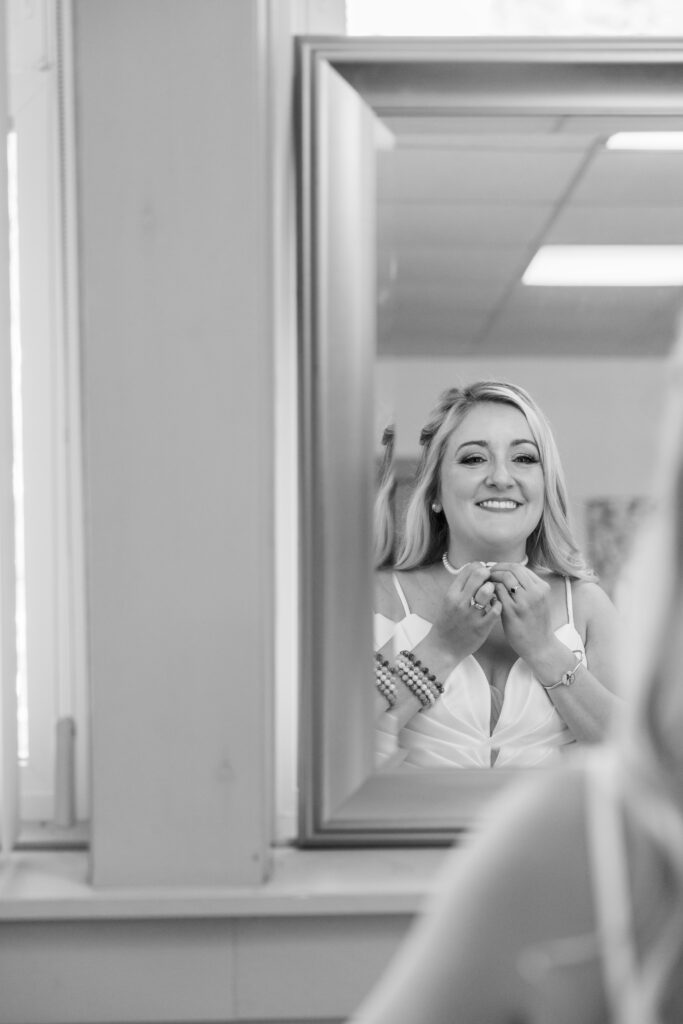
pixel 454 572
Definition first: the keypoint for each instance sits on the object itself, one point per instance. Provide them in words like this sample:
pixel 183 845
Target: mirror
pixel 431 172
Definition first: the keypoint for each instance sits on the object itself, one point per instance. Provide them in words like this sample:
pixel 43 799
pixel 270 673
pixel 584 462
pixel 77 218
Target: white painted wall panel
pixel 178 398
pixel 146 971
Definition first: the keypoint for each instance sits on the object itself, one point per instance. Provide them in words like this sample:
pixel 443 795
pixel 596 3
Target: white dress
pixel 455 732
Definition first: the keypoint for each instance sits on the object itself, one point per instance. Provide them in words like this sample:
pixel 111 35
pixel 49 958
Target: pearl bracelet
pixel 422 683
pixel 384 680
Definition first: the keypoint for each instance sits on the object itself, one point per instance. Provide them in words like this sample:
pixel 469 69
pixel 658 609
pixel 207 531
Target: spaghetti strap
pixel 570 603
pixel 612 893
pixel 401 595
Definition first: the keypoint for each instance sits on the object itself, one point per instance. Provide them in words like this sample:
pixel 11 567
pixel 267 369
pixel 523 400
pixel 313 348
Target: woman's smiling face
pixel 491 484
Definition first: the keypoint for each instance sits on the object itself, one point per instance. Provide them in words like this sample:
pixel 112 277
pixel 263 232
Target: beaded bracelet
pixel 422 683
pixel 384 680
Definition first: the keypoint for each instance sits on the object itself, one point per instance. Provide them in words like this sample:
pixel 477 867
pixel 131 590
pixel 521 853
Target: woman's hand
pixel 468 612
pixel 525 609
pixel 587 706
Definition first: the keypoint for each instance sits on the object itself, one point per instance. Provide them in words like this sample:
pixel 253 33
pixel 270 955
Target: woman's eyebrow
pixel 485 444
pixel 524 440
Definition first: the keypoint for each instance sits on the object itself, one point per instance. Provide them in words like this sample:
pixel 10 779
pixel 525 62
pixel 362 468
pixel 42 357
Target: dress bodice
pixel 457 730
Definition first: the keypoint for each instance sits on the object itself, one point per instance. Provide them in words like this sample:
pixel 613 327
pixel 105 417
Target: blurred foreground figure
pixel 568 907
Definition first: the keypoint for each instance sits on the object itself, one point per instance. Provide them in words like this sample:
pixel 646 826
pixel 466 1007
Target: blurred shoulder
pixel 531 856
pixel 541 812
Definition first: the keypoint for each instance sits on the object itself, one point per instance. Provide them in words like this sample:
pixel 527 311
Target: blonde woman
pixel 495 643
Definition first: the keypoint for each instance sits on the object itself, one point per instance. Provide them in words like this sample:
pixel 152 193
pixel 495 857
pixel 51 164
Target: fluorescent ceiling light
pixel 617 266
pixel 646 140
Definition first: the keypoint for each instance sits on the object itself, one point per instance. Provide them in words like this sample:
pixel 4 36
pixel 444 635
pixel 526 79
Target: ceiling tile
pixel 458 265
pixel 440 225
pixel 621 178
pixel 421 175
pixel 618 225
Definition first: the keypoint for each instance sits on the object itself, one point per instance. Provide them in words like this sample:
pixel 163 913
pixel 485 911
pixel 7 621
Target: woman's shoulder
pixel 387 600
pixel 591 601
pixel 414 584
pixel 598 623
pixel 385 596
pixel 413 577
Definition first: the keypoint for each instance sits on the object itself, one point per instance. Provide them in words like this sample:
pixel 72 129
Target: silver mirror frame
pixel 343 800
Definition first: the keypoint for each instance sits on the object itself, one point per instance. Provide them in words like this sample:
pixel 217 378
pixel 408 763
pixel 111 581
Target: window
pixel 514 17
pixel 51 736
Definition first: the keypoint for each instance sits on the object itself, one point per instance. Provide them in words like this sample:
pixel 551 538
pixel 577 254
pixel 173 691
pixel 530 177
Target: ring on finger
pixel 513 590
pixel 475 604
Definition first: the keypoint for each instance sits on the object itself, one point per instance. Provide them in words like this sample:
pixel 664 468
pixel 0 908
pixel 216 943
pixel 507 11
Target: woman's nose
pixel 499 474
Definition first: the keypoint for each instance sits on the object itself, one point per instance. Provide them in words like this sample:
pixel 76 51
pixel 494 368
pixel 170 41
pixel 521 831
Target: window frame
pixel 41 106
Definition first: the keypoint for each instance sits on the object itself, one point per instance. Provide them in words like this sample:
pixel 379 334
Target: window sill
pixel 45 835
pixel 53 885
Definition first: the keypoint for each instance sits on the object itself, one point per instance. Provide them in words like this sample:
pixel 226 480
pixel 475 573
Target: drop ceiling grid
pixel 464 228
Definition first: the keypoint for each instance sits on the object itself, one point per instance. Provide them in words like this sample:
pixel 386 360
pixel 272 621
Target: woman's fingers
pixel 475 590
pixel 504 597
pixel 478 588
pixel 484 594
pixel 525 614
pixel 524 576
pixel 468 611
pixel 508 579
pixel 470 580
pixel 472 576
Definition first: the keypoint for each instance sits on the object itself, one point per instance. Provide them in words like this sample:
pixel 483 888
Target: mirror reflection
pixel 523 251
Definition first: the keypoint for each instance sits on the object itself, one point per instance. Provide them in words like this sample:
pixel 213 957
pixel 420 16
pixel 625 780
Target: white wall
pixel 174 211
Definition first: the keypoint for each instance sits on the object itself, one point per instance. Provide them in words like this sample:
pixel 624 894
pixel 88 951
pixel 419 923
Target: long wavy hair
pixel 648 738
pixel 551 546
pixel 384 522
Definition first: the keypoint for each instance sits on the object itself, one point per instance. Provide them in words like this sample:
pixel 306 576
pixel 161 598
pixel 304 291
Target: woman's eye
pixel 526 459
pixel 471 460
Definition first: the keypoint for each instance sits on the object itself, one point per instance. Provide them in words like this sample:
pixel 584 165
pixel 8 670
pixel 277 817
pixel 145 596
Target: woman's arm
pixel 588 703
pixel 459 629
pixel 390 720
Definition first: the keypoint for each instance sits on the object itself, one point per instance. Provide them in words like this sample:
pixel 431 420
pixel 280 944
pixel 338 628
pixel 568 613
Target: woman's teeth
pixel 498 504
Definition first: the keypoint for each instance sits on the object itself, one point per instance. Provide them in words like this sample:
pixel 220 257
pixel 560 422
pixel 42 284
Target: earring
pixel 436 506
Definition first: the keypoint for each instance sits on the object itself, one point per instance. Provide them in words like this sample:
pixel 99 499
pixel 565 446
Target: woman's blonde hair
pixel 384 528
pixel 551 546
